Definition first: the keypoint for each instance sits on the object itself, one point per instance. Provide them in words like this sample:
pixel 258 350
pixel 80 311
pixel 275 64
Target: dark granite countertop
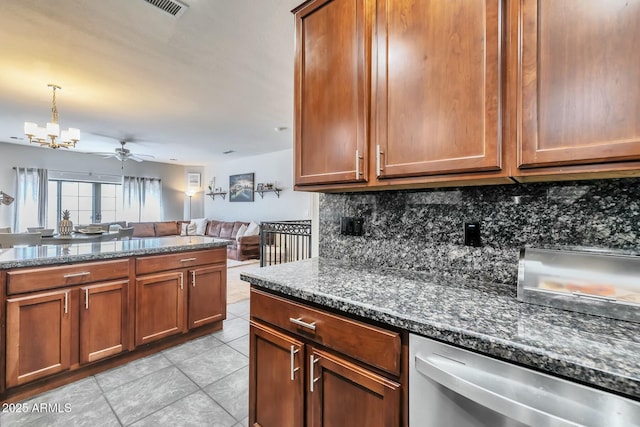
pixel 484 317
pixel 33 256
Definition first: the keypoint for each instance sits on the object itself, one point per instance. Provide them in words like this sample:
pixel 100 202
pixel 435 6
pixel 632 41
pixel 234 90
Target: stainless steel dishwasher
pixel 452 387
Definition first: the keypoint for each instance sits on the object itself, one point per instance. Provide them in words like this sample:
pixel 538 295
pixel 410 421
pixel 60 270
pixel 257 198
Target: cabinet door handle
pixel 86 299
pixel 181 281
pixel 358 158
pixel 84 273
pixel 299 322
pixel 293 363
pixel 193 278
pixel 378 161
pixel 188 259
pixel 312 380
pixel 66 302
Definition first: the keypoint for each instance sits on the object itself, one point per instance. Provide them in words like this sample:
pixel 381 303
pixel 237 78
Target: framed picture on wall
pixel 193 180
pixel 241 187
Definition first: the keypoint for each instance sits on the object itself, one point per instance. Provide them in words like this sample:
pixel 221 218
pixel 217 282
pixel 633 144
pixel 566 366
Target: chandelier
pixel 51 135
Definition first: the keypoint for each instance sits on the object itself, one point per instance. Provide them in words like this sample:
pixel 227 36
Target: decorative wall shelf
pixel 213 195
pixel 275 190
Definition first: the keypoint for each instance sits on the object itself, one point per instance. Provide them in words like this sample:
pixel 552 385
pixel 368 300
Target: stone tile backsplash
pixel 423 229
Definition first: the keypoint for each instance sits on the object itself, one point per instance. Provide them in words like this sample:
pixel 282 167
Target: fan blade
pixel 136 158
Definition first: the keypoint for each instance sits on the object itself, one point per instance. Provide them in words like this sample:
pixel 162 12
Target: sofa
pixel 240 249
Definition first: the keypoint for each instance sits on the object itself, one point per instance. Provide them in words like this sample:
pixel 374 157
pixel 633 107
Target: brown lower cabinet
pixel 296 379
pixel 38 336
pixel 159 306
pixel 68 317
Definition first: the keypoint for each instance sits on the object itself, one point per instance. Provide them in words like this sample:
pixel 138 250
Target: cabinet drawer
pixel 155 263
pixel 35 279
pixel 375 346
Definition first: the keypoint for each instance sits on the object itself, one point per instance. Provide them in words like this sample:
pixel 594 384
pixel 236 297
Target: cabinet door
pixel 341 393
pixel 103 320
pixel 207 295
pixel 159 306
pixel 332 87
pixel 38 336
pixel 276 379
pixel 579 88
pixel 438 87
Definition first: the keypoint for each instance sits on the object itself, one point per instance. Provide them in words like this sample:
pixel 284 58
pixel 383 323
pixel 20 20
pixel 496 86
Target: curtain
pixel 31 198
pixel 142 198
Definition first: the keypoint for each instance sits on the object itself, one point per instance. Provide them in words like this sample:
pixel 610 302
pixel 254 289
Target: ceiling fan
pixel 123 154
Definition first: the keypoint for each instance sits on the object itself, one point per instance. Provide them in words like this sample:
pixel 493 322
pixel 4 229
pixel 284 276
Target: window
pixel 88 202
pixel 92 202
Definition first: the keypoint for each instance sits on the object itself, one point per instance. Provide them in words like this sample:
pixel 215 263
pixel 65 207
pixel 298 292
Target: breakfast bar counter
pixel 103 304
pixel 30 256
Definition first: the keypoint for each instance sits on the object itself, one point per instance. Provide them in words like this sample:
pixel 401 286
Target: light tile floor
pixel 203 382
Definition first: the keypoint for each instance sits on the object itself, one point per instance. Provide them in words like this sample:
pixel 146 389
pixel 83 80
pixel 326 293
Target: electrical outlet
pixel 472 234
pixel 350 226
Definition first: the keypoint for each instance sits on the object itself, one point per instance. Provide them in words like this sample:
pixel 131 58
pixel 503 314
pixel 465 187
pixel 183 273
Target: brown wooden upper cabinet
pixel 397 89
pixel 332 91
pixel 579 82
pixel 438 87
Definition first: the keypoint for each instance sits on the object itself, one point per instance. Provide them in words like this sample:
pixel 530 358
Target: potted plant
pixel 65 226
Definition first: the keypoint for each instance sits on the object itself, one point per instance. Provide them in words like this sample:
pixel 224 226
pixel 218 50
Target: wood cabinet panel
pixel 344 394
pixel 332 90
pixel 578 91
pixel 276 366
pixel 103 320
pixel 39 278
pixel 375 346
pixel 38 336
pixel 438 97
pixel 159 306
pixel 157 263
pixel 207 295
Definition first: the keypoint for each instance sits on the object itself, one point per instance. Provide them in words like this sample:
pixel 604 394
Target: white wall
pixel 173 176
pixel 276 167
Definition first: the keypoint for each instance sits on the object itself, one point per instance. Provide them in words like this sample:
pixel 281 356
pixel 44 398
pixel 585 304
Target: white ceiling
pixel 218 78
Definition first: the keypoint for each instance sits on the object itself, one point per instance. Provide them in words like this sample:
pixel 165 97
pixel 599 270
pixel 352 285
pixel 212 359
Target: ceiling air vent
pixel 172 7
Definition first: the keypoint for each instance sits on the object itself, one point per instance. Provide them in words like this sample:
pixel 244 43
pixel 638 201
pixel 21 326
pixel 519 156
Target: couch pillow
pixel 253 229
pixel 167 228
pixel 188 229
pixel 143 229
pixel 241 231
pixel 213 229
pixel 226 230
pixel 201 225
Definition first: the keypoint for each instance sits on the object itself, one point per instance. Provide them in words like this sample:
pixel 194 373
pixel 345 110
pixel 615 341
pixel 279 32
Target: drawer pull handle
pixel 293 368
pixel 84 273
pixel 312 362
pixel 188 259
pixel 299 322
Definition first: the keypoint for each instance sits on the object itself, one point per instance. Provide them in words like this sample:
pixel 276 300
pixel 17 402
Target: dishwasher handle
pixel 461 382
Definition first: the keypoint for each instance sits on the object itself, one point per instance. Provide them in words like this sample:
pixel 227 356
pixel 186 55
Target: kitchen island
pixel 73 310
pixel 483 317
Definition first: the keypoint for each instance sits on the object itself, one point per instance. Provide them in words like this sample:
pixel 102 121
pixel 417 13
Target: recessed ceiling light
pixel 228 151
pixel 16 137
pixel 175 160
pixel 280 128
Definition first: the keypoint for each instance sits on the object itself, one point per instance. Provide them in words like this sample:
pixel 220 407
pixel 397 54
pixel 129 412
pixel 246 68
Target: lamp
pixel 190 192
pixel 51 135
pixel 6 199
